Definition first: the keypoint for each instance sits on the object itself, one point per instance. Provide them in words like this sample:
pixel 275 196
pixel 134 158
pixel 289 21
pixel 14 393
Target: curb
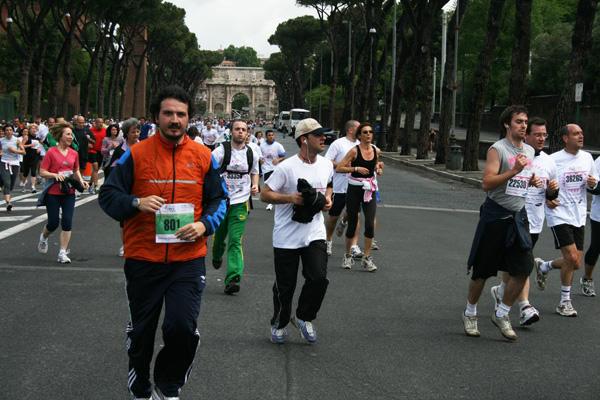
pixel 425 165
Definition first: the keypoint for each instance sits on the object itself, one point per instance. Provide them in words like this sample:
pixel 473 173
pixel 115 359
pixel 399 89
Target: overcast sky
pixel 219 23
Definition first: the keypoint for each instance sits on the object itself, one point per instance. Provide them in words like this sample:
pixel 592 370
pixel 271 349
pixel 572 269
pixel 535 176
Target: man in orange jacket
pixel 169 192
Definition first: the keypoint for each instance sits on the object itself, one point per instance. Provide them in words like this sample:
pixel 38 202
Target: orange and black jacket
pixel 180 173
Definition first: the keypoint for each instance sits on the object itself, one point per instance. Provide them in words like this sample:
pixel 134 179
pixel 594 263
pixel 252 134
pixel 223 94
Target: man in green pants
pixel 240 171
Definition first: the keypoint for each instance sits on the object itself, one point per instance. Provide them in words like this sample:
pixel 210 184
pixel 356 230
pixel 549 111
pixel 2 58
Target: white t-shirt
pixel 289 234
pixel 595 211
pixel 336 152
pixel 256 149
pixel 544 167
pixel 572 172
pixel 210 136
pixel 271 152
pixel 238 184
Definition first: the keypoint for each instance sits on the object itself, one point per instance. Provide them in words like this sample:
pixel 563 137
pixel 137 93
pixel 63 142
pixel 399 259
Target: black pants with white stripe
pixel 179 286
pixel 314 271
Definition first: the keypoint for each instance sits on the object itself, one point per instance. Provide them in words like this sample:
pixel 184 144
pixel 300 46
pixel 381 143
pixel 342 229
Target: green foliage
pixel 240 101
pixel 244 56
pixel 9 67
pixel 549 61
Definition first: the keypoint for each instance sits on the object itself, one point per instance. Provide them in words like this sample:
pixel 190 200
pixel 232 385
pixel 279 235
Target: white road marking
pixel 14 218
pixel 38 220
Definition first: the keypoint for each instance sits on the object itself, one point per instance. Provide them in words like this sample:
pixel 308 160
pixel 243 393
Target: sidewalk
pixel 471 177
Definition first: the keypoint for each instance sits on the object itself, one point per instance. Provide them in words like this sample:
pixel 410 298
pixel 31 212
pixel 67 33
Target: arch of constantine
pixel 229 82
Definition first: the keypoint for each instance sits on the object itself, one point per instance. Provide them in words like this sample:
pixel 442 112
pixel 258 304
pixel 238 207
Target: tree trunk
pixel 88 86
pixel 36 98
pixel 67 75
pixel 426 98
pixel 102 80
pixel 520 57
pixel 24 83
pixel 443 135
pixel 411 110
pixel 482 79
pixel 580 57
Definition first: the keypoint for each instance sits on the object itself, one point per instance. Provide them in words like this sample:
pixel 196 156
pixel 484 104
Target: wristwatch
pixel 136 202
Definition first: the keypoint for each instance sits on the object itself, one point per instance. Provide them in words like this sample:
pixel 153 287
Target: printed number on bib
pixel 171 217
pixel 517 186
pixel 573 180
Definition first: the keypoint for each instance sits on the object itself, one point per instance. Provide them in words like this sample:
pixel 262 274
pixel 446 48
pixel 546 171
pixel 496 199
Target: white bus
pixel 297 115
pixel 283 121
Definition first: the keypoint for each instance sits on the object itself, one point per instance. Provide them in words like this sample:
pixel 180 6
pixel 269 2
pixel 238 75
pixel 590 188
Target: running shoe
pixel 529 315
pixel 541 278
pixel 565 308
pixel 339 230
pixel 233 286
pixel 122 251
pixel 587 287
pixel 269 207
pixel 307 331
pixel 329 245
pixel 374 245
pixel 495 290
pixel 9 207
pixel 22 189
pixel 43 246
pixel 22 184
pixel 367 262
pixel 33 191
pixel 347 262
pixel 278 335
pixel 62 257
pixel 355 252
pixel 217 264
pixel 470 325
pixel 505 327
pixel 158 395
pixel 91 190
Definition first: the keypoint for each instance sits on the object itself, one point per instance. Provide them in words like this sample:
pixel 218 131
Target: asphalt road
pixel 392 334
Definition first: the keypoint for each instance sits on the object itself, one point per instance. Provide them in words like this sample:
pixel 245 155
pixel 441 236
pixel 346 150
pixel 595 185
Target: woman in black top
pixel 361 163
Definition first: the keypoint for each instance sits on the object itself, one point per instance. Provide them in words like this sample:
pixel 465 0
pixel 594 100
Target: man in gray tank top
pixel 502 241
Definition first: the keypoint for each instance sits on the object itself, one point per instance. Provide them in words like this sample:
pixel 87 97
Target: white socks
pixel 471 310
pixel 502 311
pixel 565 293
pixel 546 266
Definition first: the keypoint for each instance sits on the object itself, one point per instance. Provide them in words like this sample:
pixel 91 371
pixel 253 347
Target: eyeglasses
pixel 366 131
pixel 541 135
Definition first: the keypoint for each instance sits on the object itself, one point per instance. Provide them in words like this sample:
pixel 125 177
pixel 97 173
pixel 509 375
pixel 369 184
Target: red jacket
pixel 183 173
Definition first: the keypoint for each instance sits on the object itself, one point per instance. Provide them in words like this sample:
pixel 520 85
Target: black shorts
pixel 493 255
pixel 339 202
pixel 566 235
pixel 94 157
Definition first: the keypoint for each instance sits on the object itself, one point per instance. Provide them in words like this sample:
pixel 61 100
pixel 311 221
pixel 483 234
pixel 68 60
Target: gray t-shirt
pixel 512 194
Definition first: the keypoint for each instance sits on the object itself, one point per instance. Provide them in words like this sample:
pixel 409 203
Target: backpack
pixel 227 158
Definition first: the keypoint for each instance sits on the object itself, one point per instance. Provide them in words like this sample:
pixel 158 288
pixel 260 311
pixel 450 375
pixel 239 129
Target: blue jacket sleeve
pixel 115 195
pixel 214 198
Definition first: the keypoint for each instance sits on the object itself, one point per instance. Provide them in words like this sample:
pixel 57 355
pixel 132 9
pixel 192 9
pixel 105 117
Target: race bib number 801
pixel 171 217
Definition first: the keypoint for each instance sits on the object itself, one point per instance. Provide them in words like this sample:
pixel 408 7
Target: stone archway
pixel 219 110
pixel 228 82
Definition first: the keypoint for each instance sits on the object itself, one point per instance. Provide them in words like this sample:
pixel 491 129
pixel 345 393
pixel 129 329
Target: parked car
pixel 331 135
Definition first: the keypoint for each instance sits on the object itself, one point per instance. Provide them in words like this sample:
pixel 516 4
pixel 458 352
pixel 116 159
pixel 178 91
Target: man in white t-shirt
pixel 242 181
pixel 209 134
pixel 293 240
pixel 543 167
pixel 273 153
pixel 575 171
pixel 336 153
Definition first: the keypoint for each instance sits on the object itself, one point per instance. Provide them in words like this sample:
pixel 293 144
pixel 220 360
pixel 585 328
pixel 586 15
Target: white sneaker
pixel 495 291
pixel 122 251
pixel 470 325
pixel 21 184
pixel 505 327
pixel 269 207
pixel 62 257
pixel 329 245
pixel 529 315
pixel 355 252
pixel 374 245
pixel 339 230
pixel 367 262
pixel 158 395
pixel 565 308
pixel 43 246
pixel 347 262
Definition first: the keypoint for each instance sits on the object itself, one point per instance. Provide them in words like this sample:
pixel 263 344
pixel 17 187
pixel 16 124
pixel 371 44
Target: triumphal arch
pixel 229 82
